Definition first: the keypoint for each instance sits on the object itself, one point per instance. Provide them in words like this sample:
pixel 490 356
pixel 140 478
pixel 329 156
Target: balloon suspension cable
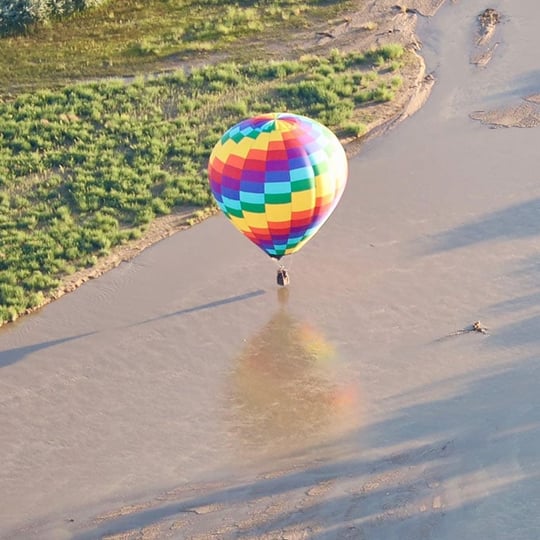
pixel 283 261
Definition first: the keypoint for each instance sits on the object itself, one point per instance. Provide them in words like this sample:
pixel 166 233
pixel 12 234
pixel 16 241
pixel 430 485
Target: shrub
pixel 12 295
pixel 354 129
pixel 19 15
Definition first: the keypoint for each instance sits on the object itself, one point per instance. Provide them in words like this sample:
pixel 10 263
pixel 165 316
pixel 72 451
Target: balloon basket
pixel 283 277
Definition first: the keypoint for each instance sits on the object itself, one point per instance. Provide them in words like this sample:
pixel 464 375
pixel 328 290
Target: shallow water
pixel 182 380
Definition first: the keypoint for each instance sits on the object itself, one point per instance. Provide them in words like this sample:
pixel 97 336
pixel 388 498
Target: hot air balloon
pixel 278 177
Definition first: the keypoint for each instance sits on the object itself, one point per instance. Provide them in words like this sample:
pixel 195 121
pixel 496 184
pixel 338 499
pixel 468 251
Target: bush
pixel 354 129
pixel 18 15
pixel 12 296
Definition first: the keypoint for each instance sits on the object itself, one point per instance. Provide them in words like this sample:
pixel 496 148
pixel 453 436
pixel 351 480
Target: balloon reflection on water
pixel 287 387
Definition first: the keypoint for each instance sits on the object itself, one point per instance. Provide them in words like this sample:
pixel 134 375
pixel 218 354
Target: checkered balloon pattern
pixel 278 177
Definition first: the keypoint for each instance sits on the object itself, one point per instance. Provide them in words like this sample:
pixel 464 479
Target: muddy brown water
pixel 179 395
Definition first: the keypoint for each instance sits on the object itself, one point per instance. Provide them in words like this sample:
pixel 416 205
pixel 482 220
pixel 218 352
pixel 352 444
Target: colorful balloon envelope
pixel 278 177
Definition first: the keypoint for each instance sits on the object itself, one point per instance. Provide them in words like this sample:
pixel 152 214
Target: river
pixel 182 395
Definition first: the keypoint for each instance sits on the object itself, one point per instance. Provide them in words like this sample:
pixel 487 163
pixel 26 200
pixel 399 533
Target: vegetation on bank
pixel 86 167
pixel 18 16
pixel 122 37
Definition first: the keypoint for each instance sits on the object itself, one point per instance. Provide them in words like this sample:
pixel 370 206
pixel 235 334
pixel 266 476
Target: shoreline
pixel 360 30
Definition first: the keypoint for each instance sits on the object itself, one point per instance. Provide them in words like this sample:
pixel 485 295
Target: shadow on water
pixel 285 386
pixel 201 307
pixel 11 356
pixel 517 221
pixel 520 333
pixel 524 329
pixel 525 84
pixel 450 457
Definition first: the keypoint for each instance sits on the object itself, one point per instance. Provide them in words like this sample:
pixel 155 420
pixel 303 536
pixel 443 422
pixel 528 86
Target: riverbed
pixel 183 395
